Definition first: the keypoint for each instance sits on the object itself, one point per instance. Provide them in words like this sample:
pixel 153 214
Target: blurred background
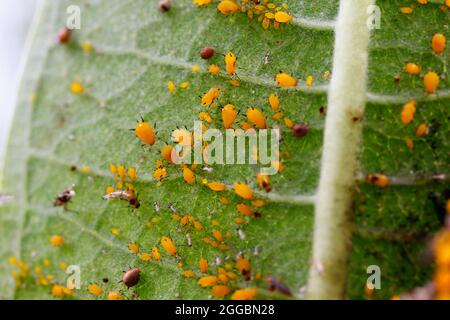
pixel 15 21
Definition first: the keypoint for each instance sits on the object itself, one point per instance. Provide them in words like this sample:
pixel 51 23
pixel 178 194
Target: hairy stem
pixel 346 102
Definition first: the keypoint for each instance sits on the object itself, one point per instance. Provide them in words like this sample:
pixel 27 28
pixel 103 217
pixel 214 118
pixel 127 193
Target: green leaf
pixel 137 50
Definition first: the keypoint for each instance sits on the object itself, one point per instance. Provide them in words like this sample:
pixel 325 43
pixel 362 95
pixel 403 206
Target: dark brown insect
pixel 300 130
pixel 165 5
pixel 277 285
pixel 124 195
pixel 131 277
pixel 64 35
pixel 73 168
pixel 105 280
pixel 207 52
pixel 64 197
pixel 266 186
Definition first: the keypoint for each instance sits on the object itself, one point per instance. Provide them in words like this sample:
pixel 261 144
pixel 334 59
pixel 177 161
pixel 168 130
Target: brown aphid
pixel 165 5
pixel 73 168
pixel 64 35
pixel 300 130
pixel 207 52
pixel 124 195
pixel 277 285
pixel 64 197
pixel 131 277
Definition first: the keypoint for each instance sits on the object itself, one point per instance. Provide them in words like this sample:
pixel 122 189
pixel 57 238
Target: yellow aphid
pixel 269 15
pixel 438 43
pixel 422 1
pixel 412 68
pixel 215 222
pixel 171 86
pixel 203 265
pixel 218 235
pixel 244 209
pixel 208 281
pixel 146 256
pixel 274 102
pixel 258 203
pixel 288 122
pixel 227 7
pixel 95 289
pixel 109 190
pixel 114 295
pixel 214 69
pixel 406 10
pixel 85 169
pixel 121 171
pixel 223 278
pixel 408 112
pixel 144 131
pixel 132 173
pixel 244 294
pixel 184 220
pixel 57 240
pixel 256 117
pixel 217 186
pixel 224 200
pixel 12 261
pixel 243 190
pixel 409 143
pixel 168 245
pixel 235 82
pixel 37 269
pixel 309 81
pixel 46 262
pixel 76 87
pixel 230 63
pixel 119 185
pixel 243 265
pixel 265 23
pixel 282 17
pixel 285 80
pixel 188 175
pixel 422 130
pixel 326 75
pixel 379 180
pixel 431 82
pixel 156 254
pixel 220 291
pixel 159 173
pixel 87 47
pixel 196 68
pixel 205 116
pixel 113 168
pixel 188 274
pixel 115 231
pixel 210 96
pixel 58 291
pixel 229 114
pixel 202 2
pixel 133 248
pixel 184 85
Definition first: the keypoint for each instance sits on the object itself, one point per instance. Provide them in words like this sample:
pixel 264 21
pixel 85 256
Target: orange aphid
pixel 227 7
pixel 145 133
pixel 245 126
pixel 166 153
pixel 263 181
pixel 274 102
pixel 230 63
pixel 57 240
pixel 288 122
pixel 198 226
pixel 218 235
pixel 202 2
pixel 229 114
pixel 159 173
pixel 244 209
pixel 438 43
pixel 243 265
pixel 168 245
pixel 220 291
pixel 408 112
pixel 243 190
pixel 442 249
pixel 205 117
pixel 224 200
pixel 379 180
pixel 431 82
pixel 95 289
pixel 422 130
pixel 114 295
pixel 217 186
pixel 209 97
pixel 156 254
pixel 409 143
pixel 282 17
pixel 171 86
pixel 188 175
pixel 208 281
pixel 256 117
pixel 133 248
pixel 277 116
pixel 203 265
pixel 285 80
pixel 188 274
pixel 412 68
pixel 214 69
pixel 244 294
pixel 258 203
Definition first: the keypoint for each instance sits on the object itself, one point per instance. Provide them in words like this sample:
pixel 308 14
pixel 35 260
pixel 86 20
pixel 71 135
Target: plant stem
pixel 346 102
